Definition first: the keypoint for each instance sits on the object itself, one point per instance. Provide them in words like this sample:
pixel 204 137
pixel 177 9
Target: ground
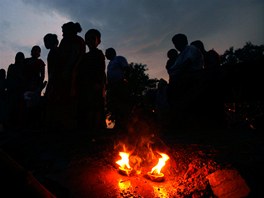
pixel 72 164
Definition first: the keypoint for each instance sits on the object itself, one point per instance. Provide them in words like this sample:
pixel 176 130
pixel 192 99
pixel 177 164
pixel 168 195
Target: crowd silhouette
pixel 81 90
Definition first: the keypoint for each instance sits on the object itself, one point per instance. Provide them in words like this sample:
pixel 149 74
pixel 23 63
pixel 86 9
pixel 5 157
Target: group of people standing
pixel 75 95
pixel 21 84
pixel 81 90
pixel 194 88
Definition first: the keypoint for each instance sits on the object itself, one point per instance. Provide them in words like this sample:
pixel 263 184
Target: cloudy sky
pixel 140 30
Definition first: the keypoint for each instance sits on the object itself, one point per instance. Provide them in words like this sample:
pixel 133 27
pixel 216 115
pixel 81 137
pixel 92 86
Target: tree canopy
pixel 248 53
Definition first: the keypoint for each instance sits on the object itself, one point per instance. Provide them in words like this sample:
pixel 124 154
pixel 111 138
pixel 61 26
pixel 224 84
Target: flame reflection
pixel 124 185
pixel 160 192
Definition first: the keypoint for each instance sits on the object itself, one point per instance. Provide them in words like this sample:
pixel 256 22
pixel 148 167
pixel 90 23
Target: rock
pixel 228 184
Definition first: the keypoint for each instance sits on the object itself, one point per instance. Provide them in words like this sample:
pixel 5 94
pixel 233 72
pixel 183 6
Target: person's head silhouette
pixel 110 53
pixel 35 51
pixel 20 57
pixel 92 38
pixel 50 41
pixel 70 29
pixel 172 54
pixel 199 44
pixel 180 41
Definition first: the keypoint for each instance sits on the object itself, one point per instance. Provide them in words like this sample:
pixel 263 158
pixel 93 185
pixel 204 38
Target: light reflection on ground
pixel 160 191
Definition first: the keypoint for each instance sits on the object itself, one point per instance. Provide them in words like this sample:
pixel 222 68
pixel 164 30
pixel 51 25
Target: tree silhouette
pixel 139 81
pixel 248 53
pixel 244 79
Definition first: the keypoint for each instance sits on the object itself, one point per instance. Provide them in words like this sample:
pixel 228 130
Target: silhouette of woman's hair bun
pixel 71 27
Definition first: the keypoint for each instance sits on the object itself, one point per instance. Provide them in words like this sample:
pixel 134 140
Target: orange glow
pixel 124 185
pixel 162 161
pixel 160 191
pixel 124 161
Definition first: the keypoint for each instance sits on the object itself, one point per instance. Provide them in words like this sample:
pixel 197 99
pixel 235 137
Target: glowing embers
pixel 155 173
pixel 124 184
pixel 124 167
pixel 129 168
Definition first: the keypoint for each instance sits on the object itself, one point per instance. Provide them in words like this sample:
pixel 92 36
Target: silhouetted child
pixel 161 103
pixel 91 80
pixel 172 55
pixel 35 75
pixel 35 70
pixel 16 87
pixel 53 96
pixel 54 66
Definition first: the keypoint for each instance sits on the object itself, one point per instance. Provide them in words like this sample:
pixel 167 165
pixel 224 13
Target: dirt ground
pixel 72 164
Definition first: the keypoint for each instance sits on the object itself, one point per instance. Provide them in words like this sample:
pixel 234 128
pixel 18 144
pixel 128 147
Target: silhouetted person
pixel 211 57
pixel 2 98
pixel 118 100
pixel 189 60
pixel 35 75
pixel 172 55
pixel 91 80
pixel 211 101
pixel 72 48
pixel 53 116
pixel 53 65
pixel 35 70
pixel 184 80
pixel 2 81
pixel 16 87
pixel 212 60
pixel 161 103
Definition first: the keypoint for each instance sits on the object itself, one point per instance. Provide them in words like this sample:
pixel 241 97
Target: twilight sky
pixel 140 30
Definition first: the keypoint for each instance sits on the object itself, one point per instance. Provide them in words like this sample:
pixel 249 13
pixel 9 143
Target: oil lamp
pixel 155 174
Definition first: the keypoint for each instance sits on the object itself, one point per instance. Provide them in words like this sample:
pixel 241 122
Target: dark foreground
pixel 72 164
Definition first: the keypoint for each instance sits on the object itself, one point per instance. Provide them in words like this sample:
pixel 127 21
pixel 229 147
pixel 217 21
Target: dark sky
pixel 140 30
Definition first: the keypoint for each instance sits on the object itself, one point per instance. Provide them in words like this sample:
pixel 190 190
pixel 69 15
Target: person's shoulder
pixel 41 62
pixel 80 39
pixel 191 47
pixel 120 59
pixel 99 51
pixel 28 61
pixel 95 53
pixel 193 50
pixel 11 65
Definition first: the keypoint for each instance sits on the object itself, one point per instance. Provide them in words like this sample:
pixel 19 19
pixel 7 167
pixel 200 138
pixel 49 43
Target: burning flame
pixel 162 161
pixel 124 161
